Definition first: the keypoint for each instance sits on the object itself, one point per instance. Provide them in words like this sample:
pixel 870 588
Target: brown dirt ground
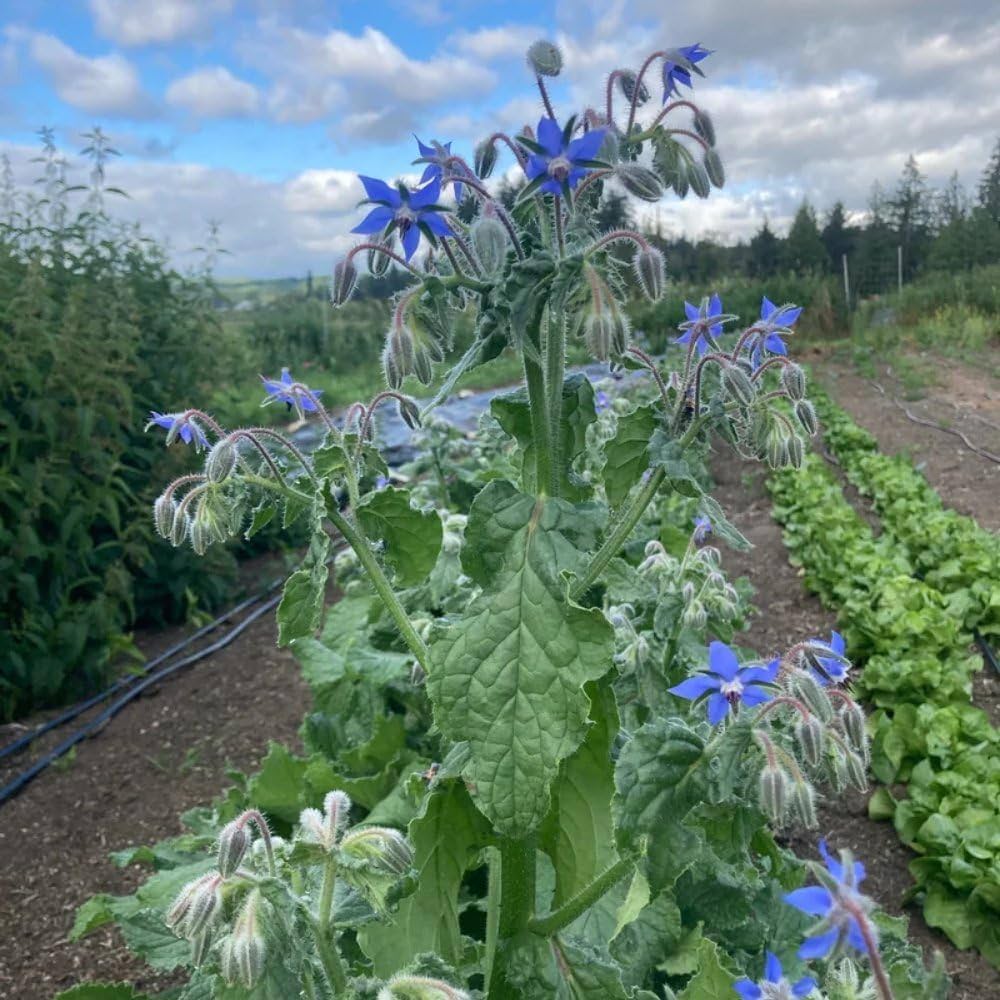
pixel 166 752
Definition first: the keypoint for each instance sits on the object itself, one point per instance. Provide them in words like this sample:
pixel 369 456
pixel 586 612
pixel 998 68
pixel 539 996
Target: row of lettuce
pixel 908 600
pixel 370 735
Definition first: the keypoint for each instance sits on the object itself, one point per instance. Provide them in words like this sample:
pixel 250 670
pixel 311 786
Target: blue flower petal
pixel 854 936
pixel 775 344
pixel 685 337
pixel 380 191
pixel 753 696
pixel 410 240
pixel 833 866
pixel 375 221
pixel 431 170
pixel 804 986
pixel 718 708
pixel 692 312
pixel 748 990
pixel 767 307
pixel 819 946
pixel 772 968
pixel 715 305
pixel 587 146
pixel 436 223
pixel 756 675
pixel 424 150
pixel 695 687
pixel 811 899
pixel 549 136
pixel 722 660
pixel 428 195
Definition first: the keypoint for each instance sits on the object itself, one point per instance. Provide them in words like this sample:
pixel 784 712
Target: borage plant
pixel 597 822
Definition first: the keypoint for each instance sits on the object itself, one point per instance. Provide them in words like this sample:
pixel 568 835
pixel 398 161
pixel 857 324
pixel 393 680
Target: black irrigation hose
pixel 128 679
pixel 18 783
pixel 987 650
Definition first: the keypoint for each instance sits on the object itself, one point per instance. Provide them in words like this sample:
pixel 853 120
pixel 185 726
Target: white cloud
pixel 103 85
pixel 144 22
pixel 509 41
pixel 213 92
pixel 323 191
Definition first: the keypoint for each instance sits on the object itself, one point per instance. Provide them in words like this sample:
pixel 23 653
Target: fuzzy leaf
pixel 712 981
pixel 301 607
pixel 508 676
pixel 626 455
pixel 412 538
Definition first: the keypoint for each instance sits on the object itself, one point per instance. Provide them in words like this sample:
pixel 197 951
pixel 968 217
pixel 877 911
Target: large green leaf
pixel 447 836
pixel 578 833
pixel 712 981
pixel 626 455
pixel 412 538
pixel 301 606
pixel 563 968
pixel 514 416
pixel 658 779
pixel 101 991
pixel 508 676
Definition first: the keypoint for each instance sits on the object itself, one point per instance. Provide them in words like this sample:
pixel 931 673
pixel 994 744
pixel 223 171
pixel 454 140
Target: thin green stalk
pixel 492 912
pixel 325 945
pixel 555 359
pixel 535 380
pixel 555 921
pixel 359 543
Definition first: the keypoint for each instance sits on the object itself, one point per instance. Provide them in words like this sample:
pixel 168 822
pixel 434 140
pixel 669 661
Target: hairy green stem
pixel 492 912
pixel 535 380
pixel 555 362
pixel 517 902
pixel 359 543
pixel 325 945
pixel 574 907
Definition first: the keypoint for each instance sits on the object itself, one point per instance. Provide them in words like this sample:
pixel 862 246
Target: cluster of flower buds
pixel 822 736
pixel 203 515
pixel 198 912
pixel 405 987
pixel 633 646
pixel 413 344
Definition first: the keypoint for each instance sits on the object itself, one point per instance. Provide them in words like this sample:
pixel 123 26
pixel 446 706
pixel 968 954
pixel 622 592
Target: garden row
pixel 908 601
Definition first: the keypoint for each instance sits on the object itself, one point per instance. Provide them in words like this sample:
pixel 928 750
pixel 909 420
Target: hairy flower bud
pixel 650 272
pixel 855 767
pixel 697 177
pixel 485 159
pixel 380 844
pixel 345 280
pixel 639 181
pixel 196 907
pixel 738 385
pixel 793 380
pixel 854 725
pixel 627 80
pixel 200 536
pixel 379 262
pixel 805 413
pixel 606 333
pixel 409 413
pixel 234 839
pixel 164 510
pixel 714 170
pixel 802 803
pixel 771 793
pixel 813 694
pixel 796 451
pixel 405 987
pixel 200 945
pixel 704 126
pixel 489 240
pixel 544 58
pixel 242 955
pixel 220 460
pixel 810 735
pixel 777 448
pixel 180 527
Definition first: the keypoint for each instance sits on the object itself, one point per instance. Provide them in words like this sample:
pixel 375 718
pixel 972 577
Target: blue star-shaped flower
pixel 284 390
pixel 727 684
pixel 412 212
pixel 601 401
pixel 702 528
pixel 436 156
pixel 774 318
pixel 679 65
pixel 775 979
pixel 831 669
pixel 179 425
pixel 699 325
pixel 558 162
pixel 836 906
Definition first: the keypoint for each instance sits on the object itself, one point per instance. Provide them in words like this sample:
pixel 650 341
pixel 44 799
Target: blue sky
pixel 259 113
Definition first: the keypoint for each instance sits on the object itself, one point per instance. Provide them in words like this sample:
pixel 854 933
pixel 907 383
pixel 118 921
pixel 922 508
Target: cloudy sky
pixel 259 113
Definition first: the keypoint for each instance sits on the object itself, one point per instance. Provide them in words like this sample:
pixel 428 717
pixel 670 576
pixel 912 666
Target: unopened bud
pixel 422 367
pixel 687 592
pixel 489 240
pixel 639 181
pixel 714 170
pixel 695 615
pixel 802 803
pixel 241 959
pixel 855 768
pixel 777 449
pixel 391 370
pixel 345 279
pixel 606 333
pixel 409 413
pixel 796 451
pixel 200 946
pixel 810 734
pixel 336 812
pixel 704 126
pixel 383 845
pixel 164 511
pixel 854 725
pixel 793 379
pixel 181 526
pixel 738 385
pixel 200 536
pixel 544 58
pixel 697 177
pixel 420 988
pixel 234 839
pixel 771 793
pixel 379 262
pixel 205 907
pixel 627 80
pixel 220 461
pixel 650 272
pixel 813 694
pixel 485 159
pixel 805 413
